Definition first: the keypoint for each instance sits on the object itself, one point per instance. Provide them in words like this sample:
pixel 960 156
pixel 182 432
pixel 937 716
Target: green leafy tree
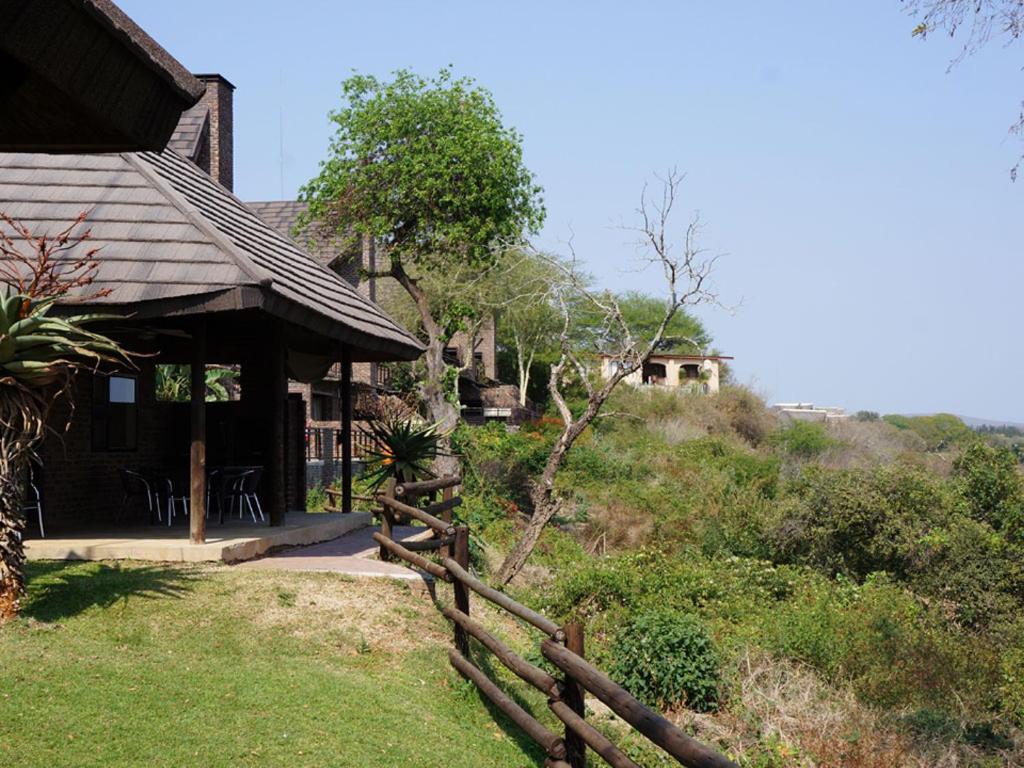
pixel 939 431
pixel 684 335
pixel 528 319
pixel 40 352
pixel 426 167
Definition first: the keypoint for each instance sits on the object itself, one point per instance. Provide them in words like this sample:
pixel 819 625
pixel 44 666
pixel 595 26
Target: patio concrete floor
pixel 232 542
pixel 354 555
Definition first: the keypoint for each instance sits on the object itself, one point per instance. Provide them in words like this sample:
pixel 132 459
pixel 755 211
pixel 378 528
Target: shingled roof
pixel 192 132
pixel 80 76
pixel 325 246
pixel 168 232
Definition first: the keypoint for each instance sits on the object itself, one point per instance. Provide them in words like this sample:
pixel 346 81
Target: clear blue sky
pixel 860 193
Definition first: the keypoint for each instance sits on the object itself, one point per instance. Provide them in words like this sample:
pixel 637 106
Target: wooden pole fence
pixel 429 544
pixel 566 698
pixel 535 676
pixel 594 739
pixel 548 741
pixel 426 486
pixel 656 728
pixel 428 566
pixel 440 526
pixel 574 697
pixel 444 507
pixel 460 554
pixel 542 623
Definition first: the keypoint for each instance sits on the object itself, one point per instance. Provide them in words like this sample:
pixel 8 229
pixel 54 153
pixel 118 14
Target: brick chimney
pixel 219 99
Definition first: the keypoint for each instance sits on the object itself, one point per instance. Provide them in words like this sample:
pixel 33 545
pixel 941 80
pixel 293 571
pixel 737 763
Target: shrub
pixel 747 414
pixel 743 468
pixel 973 569
pixel 858 521
pixel 1012 688
pixel 316 498
pixel 940 431
pixel 991 486
pixel 802 440
pixel 665 658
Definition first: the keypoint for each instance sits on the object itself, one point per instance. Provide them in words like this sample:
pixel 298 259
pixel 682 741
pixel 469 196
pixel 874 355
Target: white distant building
pixel 810 412
pixel 698 373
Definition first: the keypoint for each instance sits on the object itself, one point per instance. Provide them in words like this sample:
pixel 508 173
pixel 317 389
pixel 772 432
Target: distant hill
pixel 974 423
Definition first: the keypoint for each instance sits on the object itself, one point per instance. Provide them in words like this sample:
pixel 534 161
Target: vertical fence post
pixel 460 554
pixel 575 748
pixel 385 518
pixel 446 495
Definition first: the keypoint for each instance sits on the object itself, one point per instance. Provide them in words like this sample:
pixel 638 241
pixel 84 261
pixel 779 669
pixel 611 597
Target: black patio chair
pixel 33 501
pixel 134 485
pixel 242 487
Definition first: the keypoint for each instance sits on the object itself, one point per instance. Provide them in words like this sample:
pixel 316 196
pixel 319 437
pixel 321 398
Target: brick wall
pixel 219 99
pixel 483 343
pixel 82 488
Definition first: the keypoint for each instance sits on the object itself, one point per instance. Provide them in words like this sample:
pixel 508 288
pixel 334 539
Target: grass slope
pixel 131 664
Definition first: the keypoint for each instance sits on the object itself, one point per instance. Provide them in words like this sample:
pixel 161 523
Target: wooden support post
pixel 385 518
pixel 460 554
pixel 197 454
pixel 346 430
pixel 275 470
pixel 573 696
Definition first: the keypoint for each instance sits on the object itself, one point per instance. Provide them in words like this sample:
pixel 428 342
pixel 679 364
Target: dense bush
pixel 992 486
pixel 666 658
pixel 940 431
pixel 856 522
pixel 802 440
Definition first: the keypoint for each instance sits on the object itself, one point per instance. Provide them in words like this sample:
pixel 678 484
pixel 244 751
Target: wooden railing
pixel 324 443
pixel 562 646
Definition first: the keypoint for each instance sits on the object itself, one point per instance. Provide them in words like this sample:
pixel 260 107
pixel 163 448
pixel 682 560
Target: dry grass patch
pixel 367 614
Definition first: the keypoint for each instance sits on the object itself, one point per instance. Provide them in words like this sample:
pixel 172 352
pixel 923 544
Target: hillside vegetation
pixel 798 595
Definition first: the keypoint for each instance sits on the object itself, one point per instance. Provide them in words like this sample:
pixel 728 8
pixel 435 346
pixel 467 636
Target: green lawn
pixel 141 664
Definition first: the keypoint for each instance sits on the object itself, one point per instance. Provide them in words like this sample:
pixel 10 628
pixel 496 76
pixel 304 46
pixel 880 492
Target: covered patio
pixel 233 542
pixel 196 279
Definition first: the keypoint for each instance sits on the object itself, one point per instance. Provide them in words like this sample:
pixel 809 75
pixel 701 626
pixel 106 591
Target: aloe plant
pixel 40 352
pixel 404 450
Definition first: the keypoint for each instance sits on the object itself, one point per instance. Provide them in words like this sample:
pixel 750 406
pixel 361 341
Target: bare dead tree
pixel 686 269
pixel 980 22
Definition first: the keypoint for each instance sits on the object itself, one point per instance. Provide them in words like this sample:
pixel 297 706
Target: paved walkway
pixel 353 554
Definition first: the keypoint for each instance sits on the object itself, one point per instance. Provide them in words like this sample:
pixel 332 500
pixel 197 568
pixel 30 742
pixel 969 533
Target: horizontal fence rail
pixel 562 646
pixel 542 623
pixel 427 486
pixel 552 744
pixel 426 518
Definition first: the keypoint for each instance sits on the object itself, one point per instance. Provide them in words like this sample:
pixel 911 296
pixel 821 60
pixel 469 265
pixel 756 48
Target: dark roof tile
pixel 166 229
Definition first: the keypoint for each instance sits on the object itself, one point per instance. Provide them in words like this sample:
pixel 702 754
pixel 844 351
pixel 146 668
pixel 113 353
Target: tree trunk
pixel 440 409
pixel 21 430
pixel 545 505
pixel 524 374
pixel 542 495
